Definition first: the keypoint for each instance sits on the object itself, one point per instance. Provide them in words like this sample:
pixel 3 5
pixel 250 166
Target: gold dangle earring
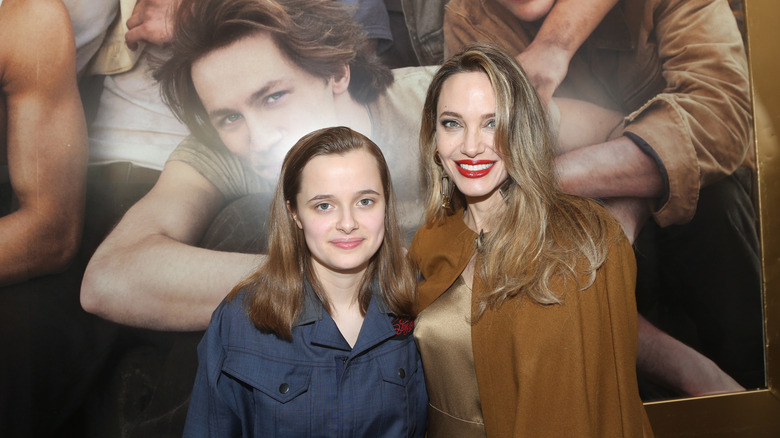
pixel 446 192
pixel 446 185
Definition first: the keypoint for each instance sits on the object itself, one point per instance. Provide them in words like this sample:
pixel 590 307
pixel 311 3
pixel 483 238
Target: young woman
pixel 529 325
pixel 318 341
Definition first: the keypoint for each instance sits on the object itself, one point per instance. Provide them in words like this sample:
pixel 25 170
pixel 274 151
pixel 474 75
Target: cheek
pixel 314 229
pixel 376 224
pixel 236 141
pixel 445 143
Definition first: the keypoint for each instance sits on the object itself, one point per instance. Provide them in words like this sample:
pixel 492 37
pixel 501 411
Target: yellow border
pixel 753 414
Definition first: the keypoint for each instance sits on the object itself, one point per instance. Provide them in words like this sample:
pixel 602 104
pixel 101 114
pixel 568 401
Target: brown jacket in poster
pixel 548 370
pixel 676 68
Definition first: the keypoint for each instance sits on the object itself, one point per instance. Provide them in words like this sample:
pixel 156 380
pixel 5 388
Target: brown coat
pixel 554 370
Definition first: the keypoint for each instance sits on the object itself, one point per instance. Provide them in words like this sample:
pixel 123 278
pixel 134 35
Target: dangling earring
pixel 446 192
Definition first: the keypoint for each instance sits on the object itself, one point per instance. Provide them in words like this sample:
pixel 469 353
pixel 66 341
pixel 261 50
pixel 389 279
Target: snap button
pixel 284 388
pixel 401 373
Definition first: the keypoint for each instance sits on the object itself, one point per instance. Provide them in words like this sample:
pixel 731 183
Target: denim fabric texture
pixel 255 384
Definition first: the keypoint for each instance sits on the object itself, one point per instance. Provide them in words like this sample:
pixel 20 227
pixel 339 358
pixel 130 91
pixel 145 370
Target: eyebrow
pixel 454 114
pixel 221 112
pixel 358 194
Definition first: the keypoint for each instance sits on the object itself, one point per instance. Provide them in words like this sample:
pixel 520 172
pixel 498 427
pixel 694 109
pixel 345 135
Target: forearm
pixel 675 365
pixel 160 283
pixel 615 168
pixel 34 244
pixel 570 23
pixel 582 123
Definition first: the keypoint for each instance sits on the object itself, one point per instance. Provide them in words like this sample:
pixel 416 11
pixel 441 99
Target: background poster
pixel 113 379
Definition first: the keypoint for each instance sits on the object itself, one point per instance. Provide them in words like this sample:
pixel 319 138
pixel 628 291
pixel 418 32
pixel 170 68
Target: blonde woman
pixel 528 324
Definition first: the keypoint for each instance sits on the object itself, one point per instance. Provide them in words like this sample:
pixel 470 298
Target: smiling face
pixel 341 210
pixel 260 103
pixel 464 136
pixel 528 10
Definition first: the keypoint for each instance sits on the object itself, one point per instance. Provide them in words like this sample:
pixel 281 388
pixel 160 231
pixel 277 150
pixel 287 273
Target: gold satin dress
pixel 443 335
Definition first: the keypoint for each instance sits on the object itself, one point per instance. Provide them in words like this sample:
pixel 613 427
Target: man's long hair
pixel 319 36
pixel 275 292
pixel 542 233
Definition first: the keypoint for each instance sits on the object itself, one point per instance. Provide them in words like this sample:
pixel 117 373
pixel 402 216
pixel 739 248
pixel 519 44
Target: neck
pixel 479 212
pixel 340 288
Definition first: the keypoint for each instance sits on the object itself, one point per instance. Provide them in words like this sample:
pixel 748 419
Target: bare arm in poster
pixel 149 273
pixel 568 24
pixel 43 141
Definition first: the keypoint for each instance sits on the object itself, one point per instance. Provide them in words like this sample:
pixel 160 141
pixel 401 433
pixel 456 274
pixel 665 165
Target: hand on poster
pixel 152 22
pixel 546 66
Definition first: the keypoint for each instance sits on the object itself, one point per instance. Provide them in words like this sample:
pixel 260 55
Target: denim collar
pixel 312 306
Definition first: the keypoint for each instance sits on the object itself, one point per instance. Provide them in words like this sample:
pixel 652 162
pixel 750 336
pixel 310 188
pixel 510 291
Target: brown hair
pixel 275 291
pixel 319 36
pixel 543 232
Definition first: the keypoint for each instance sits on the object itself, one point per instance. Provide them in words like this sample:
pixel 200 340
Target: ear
pixel 340 81
pixel 294 216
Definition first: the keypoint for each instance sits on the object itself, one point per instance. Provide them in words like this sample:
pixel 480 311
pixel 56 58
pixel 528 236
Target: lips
pixel 347 243
pixel 475 168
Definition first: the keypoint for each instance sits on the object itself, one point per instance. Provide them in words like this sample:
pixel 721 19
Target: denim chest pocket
pixel 277 399
pixel 404 385
pixel 398 367
pixel 280 381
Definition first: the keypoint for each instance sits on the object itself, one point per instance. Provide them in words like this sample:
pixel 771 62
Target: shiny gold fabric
pixel 443 336
pixel 564 370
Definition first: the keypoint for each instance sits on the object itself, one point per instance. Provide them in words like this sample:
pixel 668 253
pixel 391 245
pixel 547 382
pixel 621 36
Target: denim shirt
pixel 255 384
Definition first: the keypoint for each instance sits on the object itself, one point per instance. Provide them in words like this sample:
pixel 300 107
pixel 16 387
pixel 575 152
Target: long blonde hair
pixel 543 233
pixel 274 293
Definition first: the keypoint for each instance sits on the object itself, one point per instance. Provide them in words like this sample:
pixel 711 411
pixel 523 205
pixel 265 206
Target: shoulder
pixel 436 246
pixel 37 38
pixel 223 169
pixel 410 84
pixel 33 22
pixel 230 322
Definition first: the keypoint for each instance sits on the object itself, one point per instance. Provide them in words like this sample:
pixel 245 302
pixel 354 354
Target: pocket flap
pixel 282 381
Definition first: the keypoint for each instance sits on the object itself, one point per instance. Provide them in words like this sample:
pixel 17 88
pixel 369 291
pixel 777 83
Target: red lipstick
pixel 475 168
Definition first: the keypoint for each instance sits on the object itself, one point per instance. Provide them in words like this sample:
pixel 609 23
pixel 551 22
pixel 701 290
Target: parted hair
pixel 319 36
pixel 542 233
pixel 275 292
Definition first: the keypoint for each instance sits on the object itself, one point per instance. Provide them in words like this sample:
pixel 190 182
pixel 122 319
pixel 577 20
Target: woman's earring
pixel 446 192
pixel 436 158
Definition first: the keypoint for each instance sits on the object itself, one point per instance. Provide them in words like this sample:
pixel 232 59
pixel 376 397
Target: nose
pixel 474 142
pixel 347 221
pixel 263 134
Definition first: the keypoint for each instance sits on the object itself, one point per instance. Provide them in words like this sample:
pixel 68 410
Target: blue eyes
pixel 232 118
pixel 451 124
pixel 275 96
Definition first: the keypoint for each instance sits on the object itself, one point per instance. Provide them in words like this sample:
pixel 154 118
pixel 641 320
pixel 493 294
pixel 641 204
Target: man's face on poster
pixel 260 103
